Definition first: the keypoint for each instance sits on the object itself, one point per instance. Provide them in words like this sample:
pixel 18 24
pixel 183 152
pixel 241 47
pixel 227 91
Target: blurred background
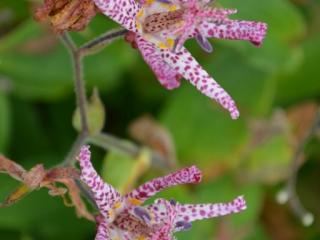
pixel 276 88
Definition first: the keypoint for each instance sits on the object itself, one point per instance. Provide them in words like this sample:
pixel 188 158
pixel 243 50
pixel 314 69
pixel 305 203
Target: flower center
pixel 168 24
pixel 161 21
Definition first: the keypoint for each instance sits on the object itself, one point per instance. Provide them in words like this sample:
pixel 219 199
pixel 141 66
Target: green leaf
pixel 304 82
pixel 284 20
pixel 48 76
pixel 251 88
pixel 269 163
pixel 123 171
pixel 201 130
pixel 28 129
pixel 115 169
pixel 26 30
pixel 5 122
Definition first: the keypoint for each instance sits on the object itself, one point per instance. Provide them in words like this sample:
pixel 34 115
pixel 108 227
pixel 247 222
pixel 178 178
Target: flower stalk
pixel 103 140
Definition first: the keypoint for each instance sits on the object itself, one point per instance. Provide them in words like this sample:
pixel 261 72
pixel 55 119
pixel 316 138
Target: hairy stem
pixel 102 41
pixel 103 140
pixel 78 81
pixel 110 142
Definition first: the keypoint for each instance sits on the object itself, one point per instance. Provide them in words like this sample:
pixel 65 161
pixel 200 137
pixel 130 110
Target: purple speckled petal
pixel 103 232
pixel 189 68
pixel 121 11
pixel 104 194
pixel 186 175
pixel 235 30
pixel 193 212
pixel 165 214
pixel 167 76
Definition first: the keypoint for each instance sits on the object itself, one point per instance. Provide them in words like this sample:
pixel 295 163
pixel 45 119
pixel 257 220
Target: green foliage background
pixel 37 102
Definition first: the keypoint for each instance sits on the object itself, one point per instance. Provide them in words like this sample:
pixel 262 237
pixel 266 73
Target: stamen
pixel 173 202
pixel 183 225
pixel 142 213
pixel 164 1
pixel 204 43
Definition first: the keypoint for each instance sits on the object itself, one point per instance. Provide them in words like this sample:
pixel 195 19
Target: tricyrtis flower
pixel 159 29
pixel 67 15
pixel 125 218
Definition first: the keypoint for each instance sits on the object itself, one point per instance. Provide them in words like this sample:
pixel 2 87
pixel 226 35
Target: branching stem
pixel 102 140
pixel 78 81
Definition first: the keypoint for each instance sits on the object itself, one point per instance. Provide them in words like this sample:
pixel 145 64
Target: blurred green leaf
pixel 304 82
pixel 48 75
pixel 284 20
pixel 28 129
pixel 252 89
pixel 120 164
pixel 258 232
pixel 15 11
pixel 26 30
pixel 203 132
pixel 269 163
pixel 5 122
pixel 116 169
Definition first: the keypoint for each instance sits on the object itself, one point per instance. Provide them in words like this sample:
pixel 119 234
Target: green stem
pixel 101 42
pixel 78 81
pixel 112 143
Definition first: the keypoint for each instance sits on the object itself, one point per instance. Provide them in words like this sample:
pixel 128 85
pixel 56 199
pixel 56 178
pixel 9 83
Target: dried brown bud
pixel 151 133
pixel 67 15
pixel 34 177
pixel 58 173
pixel 39 177
pixel 11 168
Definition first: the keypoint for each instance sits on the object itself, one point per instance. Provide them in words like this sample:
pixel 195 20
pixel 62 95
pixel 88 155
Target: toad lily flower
pixel 159 29
pixel 124 217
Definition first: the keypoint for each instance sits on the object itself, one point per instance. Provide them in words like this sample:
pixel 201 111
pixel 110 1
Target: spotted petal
pixel 103 232
pixel 235 30
pixel 186 175
pixel 166 75
pixel 121 11
pixel 193 212
pixel 167 226
pixel 189 68
pixel 104 194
